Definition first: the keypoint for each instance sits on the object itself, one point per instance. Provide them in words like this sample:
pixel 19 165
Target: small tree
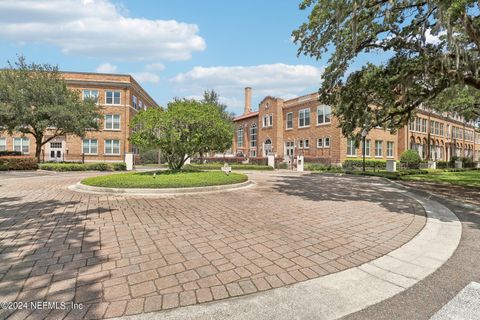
pixel 411 159
pixel 35 100
pixel 186 128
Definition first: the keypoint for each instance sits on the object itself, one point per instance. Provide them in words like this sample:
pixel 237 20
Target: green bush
pixel 322 167
pixel 218 166
pixel 95 166
pixel 370 164
pixel 18 163
pixel 10 153
pixel 410 159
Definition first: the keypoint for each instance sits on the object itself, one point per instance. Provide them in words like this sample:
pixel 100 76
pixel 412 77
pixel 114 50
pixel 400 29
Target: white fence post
pixel 129 161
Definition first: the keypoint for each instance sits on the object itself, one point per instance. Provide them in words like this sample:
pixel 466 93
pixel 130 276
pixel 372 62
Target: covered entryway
pixel 56 151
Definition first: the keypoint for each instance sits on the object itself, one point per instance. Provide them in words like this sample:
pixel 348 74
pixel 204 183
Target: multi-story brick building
pixel 120 97
pixel 304 126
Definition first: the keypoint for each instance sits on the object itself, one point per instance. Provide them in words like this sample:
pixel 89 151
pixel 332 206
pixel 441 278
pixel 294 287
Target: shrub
pixel 370 164
pixel 72 166
pixel 282 165
pixel 18 163
pixel 410 159
pixel 10 153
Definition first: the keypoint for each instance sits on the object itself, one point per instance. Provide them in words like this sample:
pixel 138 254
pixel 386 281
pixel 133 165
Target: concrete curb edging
pixel 345 292
pixel 79 187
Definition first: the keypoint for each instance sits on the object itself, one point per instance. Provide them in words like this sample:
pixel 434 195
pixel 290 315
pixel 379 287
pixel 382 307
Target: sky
pixel 173 48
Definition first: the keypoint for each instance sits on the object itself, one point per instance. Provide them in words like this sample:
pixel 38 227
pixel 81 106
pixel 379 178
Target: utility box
pixel 458 164
pixel 300 163
pixel 432 164
pixel 129 161
pixel 271 161
pixel 391 165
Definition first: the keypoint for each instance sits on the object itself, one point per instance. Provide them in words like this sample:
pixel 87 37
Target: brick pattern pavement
pixel 127 255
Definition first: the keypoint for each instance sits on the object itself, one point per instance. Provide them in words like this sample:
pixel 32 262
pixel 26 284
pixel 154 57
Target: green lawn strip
pixel 165 179
pixel 234 166
pixel 464 178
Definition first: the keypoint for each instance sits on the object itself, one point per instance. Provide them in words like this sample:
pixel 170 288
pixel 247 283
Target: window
pixel 21 145
pixel 306 143
pixel 253 153
pixel 390 149
pixel 112 97
pixel 326 142
pixel 268 120
pixel 319 143
pixel 304 118
pixel 3 144
pixel 378 148
pixel 253 136
pixel 90 146
pixel 135 102
pixel 351 148
pixel 240 137
pixel 300 144
pixel 290 120
pixel 112 147
pixel 324 114
pixel 367 147
pixel 90 94
pixel 424 125
pixel 112 122
pixel 140 105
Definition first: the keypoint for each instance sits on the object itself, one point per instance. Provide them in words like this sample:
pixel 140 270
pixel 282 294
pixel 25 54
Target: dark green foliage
pixel 35 99
pixel 410 159
pixel 234 166
pixel 370 164
pixel 10 153
pixel 94 166
pixel 18 163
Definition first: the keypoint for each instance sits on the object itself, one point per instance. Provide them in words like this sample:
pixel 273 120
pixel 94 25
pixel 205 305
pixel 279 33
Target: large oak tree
pixel 434 47
pixel 35 100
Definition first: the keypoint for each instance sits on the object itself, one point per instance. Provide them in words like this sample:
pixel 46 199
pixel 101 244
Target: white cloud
pixel 433 39
pixel 279 80
pixel 97 28
pixel 145 77
pixel 155 67
pixel 106 68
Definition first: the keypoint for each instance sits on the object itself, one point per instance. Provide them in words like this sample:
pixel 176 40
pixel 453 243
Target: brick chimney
pixel 248 100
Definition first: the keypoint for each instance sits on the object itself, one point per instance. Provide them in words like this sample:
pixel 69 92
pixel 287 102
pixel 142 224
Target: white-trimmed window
pixel 253 136
pixel 112 97
pixel 390 149
pixel 253 153
pixel 320 143
pixel 90 146
pixel 240 137
pixel 135 102
pixel 306 144
pixel 324 114
pixel 351 148
pixel 326 142
pixel 112 147
pixel 140 105
pixel 21 145
pixel 112 122
pixel 300 144
pixel 367 147
pixel 268 120
pixel 304 118
pixel 3 144
pixel 378 148
pixel 90 94
pixel 290 120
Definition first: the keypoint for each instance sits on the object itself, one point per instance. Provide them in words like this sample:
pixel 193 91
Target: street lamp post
pixel 364 135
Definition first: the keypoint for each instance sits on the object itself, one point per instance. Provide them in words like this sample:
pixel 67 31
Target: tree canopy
pixel 184 129
pixel 211 97
pixel 35 100
pixel 434 47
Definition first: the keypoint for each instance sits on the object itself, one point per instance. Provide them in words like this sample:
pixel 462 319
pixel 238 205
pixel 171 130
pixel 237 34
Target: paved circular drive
pixel 121 255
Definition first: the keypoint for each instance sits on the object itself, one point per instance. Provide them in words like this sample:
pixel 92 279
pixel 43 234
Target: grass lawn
pixel 470 178
pixel 165 179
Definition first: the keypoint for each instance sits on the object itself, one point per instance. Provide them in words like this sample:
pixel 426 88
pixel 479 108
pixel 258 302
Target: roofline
pixel 246 116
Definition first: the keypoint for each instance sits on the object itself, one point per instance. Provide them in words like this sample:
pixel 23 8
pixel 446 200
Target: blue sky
pixel 174 48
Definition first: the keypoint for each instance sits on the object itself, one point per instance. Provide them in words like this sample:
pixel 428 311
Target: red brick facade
pixel 304 126
pixel 110 143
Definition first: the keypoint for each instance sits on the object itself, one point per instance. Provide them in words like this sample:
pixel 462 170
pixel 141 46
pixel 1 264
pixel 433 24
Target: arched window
pixel 267 146
pixel 240 137
pixel 253 136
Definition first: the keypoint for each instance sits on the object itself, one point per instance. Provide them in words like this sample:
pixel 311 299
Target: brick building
pixel 304 126
pixel 120 97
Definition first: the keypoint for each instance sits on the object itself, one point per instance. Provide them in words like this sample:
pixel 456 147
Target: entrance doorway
pixel 56 151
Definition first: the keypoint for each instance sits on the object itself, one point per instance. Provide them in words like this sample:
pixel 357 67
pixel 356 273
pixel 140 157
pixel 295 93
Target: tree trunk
pixel 38 149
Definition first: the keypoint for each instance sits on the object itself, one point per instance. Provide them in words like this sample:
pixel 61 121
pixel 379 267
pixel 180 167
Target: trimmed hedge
pixel 390 175
pixel 410 159
pixel 218 166
pixel 10 153
pixel 18 163
pixel 357 164
pixel 96 166
pixel 321 167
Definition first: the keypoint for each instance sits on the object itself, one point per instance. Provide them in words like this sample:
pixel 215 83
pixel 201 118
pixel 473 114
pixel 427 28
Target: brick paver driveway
pixel 125 255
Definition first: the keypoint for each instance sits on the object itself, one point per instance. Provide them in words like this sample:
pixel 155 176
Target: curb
pixel 342 293
pixel 79 187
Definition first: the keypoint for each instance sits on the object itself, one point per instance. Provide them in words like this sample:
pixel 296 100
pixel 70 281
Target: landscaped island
pixel 165 179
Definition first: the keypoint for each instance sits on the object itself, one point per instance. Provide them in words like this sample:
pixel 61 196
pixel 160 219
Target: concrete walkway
pixel 345 292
